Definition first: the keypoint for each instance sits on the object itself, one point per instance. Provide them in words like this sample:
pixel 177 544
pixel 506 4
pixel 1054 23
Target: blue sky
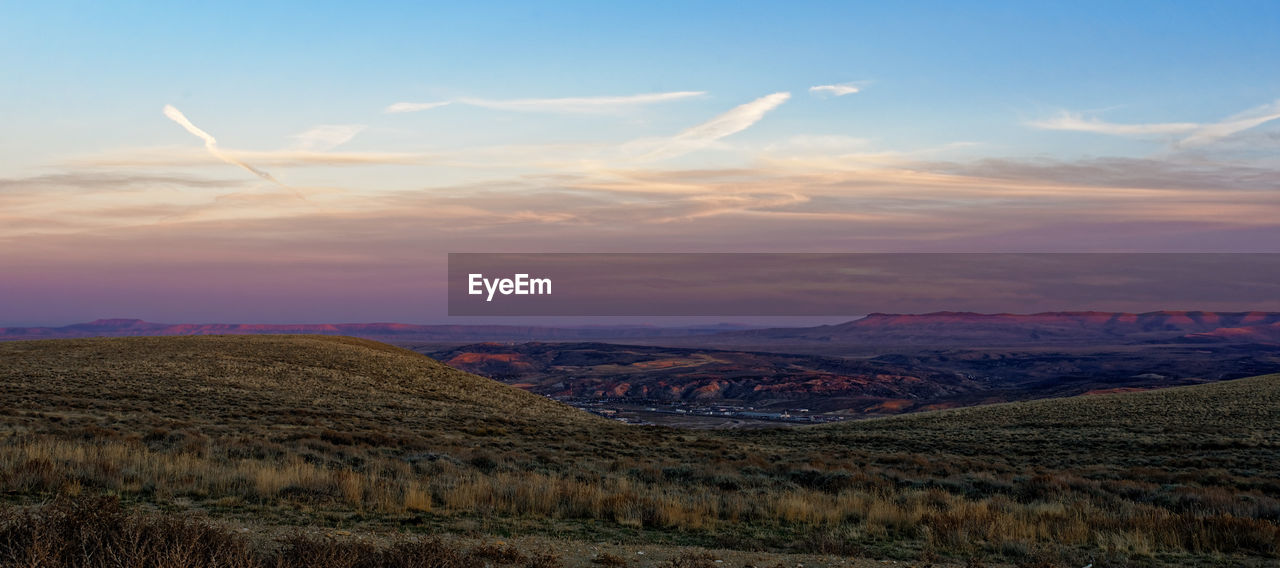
pixel 935 72
pixel 608 126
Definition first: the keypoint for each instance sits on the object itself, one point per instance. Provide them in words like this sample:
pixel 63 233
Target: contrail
pixel 211 144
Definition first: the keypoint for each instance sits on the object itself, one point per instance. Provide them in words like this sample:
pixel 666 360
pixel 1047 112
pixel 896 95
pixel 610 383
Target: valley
pixel 884 365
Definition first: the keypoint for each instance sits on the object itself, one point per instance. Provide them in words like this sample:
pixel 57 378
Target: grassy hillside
pixel 1174 466
pixel 330 433
pixel 1230 427
pixel 264 384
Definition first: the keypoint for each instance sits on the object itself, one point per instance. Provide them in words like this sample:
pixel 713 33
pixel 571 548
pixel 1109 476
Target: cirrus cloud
pixel 838 90
pixel 414 107
pixel 1077 122
pixel 326 136
pixel 1239 122
pixel 704 135
pixel 564 105
pixel 1197 134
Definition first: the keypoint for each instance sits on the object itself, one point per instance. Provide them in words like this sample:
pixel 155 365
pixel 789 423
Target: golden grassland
pixel 340 432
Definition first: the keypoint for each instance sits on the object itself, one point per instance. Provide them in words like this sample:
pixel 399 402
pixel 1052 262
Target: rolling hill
pixel 356 442
pixel 266 394
pixel 1176 432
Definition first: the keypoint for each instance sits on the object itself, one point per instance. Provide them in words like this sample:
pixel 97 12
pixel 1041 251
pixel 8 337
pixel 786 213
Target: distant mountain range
pixel 390 332
pixel 965 329
pixel 919 330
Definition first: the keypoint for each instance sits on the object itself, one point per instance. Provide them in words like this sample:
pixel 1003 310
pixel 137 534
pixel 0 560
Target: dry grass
pixel 95 532
pixel 323 426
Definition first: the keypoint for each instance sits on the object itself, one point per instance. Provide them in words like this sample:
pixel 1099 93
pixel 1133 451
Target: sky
pixel 315 162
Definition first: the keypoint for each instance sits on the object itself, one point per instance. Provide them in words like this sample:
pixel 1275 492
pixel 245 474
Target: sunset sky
pixel 315 162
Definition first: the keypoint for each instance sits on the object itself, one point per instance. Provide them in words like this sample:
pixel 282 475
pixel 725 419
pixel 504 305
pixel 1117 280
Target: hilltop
pixel 265 395
pixel 344 437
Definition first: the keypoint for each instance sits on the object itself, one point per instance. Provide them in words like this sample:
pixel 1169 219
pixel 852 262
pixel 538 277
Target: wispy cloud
pixel 1122 173
pixel 838 90
pixel 211 144
pixel 582 105
pixel 326 137
pixel 706 134
pixel 778 206
pixel 165 157
pixel 567 105
pixel 1079 123
pixel 1197 134
pixel 414 107
pixel 1256 116
pixel 81 179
